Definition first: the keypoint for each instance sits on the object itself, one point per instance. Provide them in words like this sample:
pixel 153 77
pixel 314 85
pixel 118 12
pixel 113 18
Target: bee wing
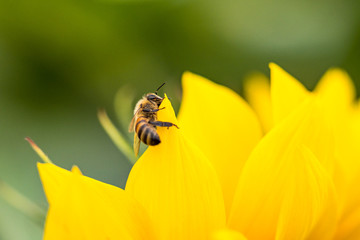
pixel 136 144
pixel 132 124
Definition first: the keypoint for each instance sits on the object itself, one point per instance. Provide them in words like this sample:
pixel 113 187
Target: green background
pixel 62 60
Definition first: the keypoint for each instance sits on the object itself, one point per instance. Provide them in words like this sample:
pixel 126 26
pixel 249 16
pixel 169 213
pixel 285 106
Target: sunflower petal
pixel 337 95
pixel 337 90
pixel 287 95
pixel 349 227
pixel 222 125
pixel 83 208
pixel 286 92
pixel 227 234
pixel 177 185
pixel 280 181
pixel 315 194
pixel 75 169
pixel 257 93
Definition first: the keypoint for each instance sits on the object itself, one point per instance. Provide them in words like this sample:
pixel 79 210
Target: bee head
pixel 154 98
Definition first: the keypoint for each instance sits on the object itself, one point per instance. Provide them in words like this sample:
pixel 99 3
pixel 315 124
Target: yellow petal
pixel 177 185
pixel 347 132
pixel 227 234
pixel 286 92
pixel 337 95
pixel 83 208
pixel 76 169
pixel 53 180
pixel 284 192
pixel 348 138
pixel 309 211
pixel 349 227
pixel 257 93
pixel 349 152
pixel 222 125
pixel 337 90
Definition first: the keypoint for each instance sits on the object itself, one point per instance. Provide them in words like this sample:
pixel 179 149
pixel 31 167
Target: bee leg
pixel 151 110
pixel 162 124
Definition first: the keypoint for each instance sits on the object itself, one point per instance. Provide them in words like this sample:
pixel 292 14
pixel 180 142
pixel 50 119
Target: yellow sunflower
pixel 285 168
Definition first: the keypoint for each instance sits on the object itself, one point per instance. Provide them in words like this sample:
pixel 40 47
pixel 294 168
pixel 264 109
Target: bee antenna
pixel 159 88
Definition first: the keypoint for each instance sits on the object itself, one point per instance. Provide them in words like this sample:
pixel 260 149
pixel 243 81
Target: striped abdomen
pixel 146 132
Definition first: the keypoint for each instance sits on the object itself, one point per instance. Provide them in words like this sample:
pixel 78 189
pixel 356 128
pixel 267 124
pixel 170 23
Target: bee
pixel 144 122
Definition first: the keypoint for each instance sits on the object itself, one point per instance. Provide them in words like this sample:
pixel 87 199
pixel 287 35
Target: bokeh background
pixel 61 60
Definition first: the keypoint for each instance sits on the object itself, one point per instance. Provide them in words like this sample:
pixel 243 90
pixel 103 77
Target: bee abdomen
pixel 147 133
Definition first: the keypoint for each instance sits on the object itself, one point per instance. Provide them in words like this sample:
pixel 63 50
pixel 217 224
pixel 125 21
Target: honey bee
pixel 144 122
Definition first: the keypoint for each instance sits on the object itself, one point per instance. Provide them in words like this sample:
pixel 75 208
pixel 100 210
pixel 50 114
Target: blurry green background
pixel 62 60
